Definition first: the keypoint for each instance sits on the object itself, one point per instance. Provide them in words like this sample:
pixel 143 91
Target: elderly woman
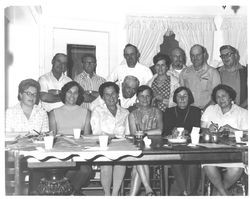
pixel 148 119
pixel 224 115
pixel 64 119
pixel 26 117
pixel 162 83
pixel 111 119
pixel 186 116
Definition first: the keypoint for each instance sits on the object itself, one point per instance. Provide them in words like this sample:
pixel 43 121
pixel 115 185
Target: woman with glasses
pixel 26 117
pixel 233 74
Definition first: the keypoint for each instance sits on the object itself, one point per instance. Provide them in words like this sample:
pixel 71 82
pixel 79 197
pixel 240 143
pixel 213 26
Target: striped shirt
pixel 89 83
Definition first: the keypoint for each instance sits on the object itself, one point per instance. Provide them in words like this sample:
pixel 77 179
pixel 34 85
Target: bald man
pixel 127 94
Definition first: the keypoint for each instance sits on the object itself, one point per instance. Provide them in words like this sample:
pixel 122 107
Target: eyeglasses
pixel 30 94
pixel 227 55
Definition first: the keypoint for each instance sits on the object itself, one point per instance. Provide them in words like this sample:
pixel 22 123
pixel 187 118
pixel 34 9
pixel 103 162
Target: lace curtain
pixel 234 31
pixel 147 34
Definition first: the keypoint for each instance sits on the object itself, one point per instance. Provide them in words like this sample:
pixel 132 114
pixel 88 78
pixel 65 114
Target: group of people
pixel 132 97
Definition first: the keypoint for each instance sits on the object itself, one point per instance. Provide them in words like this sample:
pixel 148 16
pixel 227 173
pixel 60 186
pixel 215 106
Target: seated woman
pixel 64 119
pixel 187 116
pixel 162 83
pixel 111 119
pixel 224 115
pixel 26 117
pixel 148 119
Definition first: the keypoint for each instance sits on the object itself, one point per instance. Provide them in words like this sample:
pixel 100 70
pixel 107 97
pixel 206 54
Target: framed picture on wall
pixel 75 53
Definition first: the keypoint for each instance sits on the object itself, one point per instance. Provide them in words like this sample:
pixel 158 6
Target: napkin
pixel 147 141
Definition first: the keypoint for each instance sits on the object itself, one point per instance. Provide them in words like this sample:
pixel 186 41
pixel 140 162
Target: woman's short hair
pixel 25 84
pixel 108 84
pixel 190 95
pixel 68 86
pixel 143 88
pixel 229 90
pixel 161 56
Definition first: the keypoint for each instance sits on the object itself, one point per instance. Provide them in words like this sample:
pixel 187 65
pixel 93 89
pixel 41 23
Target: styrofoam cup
pixel 238 135
pixel 195 137
pixel 49 141
pixel 77 133
pixel 103 140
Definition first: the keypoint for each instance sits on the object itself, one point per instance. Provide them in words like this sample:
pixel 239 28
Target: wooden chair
pixel 207 186
pixel 156 180
pixel 16 182
pixel 95 182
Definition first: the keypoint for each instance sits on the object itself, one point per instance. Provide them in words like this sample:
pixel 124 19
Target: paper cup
pixel 77 133
pixel 238 135
pixel 103 140
pixel 49 141
pixel 195 137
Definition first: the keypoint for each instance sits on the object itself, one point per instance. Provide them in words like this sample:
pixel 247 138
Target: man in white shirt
pixel 133 67
pixel 52 82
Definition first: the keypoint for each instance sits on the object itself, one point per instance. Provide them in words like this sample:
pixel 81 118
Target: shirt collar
pixel 87 75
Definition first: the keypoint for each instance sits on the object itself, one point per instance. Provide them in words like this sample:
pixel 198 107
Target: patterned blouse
pixel 16 121
pixel 163 90
pixel 146 121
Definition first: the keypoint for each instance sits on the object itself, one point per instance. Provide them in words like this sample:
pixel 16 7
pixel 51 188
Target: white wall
pixel 23 46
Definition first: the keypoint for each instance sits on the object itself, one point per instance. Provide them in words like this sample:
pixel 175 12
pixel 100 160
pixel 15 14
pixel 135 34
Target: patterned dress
pixel 163 90
pixel 146 121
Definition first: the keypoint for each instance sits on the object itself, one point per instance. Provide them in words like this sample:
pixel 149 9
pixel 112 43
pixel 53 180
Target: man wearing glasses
pixel 89 80
pixel 233 74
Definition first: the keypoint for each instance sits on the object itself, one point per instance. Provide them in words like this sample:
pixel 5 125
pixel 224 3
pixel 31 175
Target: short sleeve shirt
pixel 16 121
pixel 47 82
pixel 237 117
pixel 103 121
pixel 201 83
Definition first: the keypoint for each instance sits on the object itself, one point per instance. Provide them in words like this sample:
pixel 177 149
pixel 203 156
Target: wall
pixel 22 46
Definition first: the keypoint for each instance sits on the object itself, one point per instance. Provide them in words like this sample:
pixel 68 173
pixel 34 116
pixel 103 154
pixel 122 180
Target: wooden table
pixel 157 153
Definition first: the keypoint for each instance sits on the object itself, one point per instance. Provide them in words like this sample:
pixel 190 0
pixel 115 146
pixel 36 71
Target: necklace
pixel 185 118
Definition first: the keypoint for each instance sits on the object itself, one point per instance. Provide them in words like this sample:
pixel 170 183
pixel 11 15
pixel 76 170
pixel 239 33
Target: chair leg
pixel 205 183
pixel 166 181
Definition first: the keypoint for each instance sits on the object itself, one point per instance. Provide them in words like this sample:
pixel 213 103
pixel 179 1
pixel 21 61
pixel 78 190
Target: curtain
pixel 147 34
pixel 234 31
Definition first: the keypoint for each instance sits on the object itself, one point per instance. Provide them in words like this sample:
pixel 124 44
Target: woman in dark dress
pixel 187 116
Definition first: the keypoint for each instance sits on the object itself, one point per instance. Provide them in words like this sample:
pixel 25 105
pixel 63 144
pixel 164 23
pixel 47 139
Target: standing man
pixel 132 67
pixel 233 74
pixel 200 78
pixel 52 82
pixel 178 59
pixel 89 80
